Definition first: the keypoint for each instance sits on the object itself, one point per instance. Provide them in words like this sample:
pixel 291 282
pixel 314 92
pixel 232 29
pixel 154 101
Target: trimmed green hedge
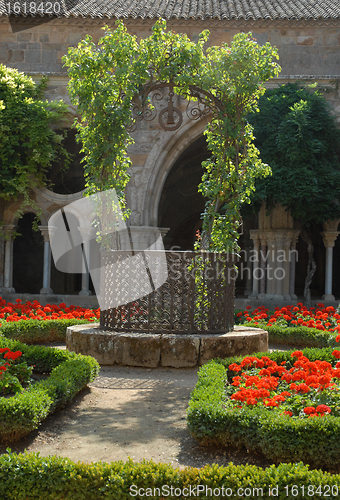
pixel 69 373
pixel 34 331
pixel 300 336
pixel 32 477
pixel 278 437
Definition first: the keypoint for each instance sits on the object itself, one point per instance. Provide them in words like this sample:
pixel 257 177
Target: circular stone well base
pixel 157 349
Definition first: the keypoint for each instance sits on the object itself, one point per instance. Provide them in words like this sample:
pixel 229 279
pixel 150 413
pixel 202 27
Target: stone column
pixel 8 268
pixel 46 289
pixel 329 238
pixel 270 266
pixel 263 258
pixel 86 233
pixel 254 235
pixel 279 271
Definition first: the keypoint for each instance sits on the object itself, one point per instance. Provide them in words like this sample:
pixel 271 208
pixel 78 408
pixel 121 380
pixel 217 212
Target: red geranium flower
pixel 309 410
pixel 323 409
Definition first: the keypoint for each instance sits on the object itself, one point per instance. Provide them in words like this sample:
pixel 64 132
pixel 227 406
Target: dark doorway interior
pixel 28 253
pixel 68 180
pixel 318 282
pixel 181 205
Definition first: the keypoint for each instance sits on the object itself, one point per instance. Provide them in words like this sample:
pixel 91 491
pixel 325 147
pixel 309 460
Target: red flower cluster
pixel 8 355
pixel 321 317
pixel 34 310
pixel 270 384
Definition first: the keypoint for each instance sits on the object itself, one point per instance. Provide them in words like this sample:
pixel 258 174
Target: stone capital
pixel 8 229
pixel 87 233
pixel 45 234
pixel 254 234
pixel 329 238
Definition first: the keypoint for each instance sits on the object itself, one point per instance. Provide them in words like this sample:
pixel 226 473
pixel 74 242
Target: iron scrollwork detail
pixel 170 118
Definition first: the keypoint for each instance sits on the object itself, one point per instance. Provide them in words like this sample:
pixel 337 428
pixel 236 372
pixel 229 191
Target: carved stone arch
pixel 160 161
pixel 51 202
pixel 10 213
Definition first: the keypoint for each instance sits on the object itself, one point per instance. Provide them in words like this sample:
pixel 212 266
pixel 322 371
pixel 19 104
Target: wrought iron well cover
pixel 197 295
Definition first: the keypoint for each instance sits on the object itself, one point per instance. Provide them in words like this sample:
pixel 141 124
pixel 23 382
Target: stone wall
pixel 305 47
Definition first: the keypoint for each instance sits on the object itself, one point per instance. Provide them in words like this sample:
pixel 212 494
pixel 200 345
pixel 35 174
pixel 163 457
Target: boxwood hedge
pixel 36 331
pixel 32 477
pixel 278 437
pixel 300 336
pixel 69 373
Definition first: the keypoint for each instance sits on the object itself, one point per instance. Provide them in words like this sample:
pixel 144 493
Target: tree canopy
pixel 28 144
pixel 298 136
pixel 108 78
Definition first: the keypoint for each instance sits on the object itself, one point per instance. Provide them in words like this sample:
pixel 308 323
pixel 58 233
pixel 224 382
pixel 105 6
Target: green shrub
pixel 32 477
pixel 278 437
pixel 44 359
pixel 69 373
pixel 300 336
pixel 35 331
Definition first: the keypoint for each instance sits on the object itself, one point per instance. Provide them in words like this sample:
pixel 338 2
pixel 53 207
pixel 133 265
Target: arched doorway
pixel 181 205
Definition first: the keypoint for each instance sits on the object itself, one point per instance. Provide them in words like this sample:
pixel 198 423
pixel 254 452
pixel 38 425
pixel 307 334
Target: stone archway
pixel 159 163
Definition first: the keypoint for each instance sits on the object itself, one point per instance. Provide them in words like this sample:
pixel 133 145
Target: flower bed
pixel 18 311
pixel 295 325
pixel 320 317
pixel 285 405
pixel 300 391
pixel 32 323
pixel 25 410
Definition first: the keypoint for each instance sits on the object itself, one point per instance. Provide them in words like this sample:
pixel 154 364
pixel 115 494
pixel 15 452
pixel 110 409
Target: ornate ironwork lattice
pixel 144 106
pixel 197 296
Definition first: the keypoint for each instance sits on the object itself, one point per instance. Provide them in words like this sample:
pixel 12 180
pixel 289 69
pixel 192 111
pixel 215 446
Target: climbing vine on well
pixel 108 79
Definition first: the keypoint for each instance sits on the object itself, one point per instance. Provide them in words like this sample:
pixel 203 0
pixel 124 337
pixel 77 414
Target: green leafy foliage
pixel 29 476
pixel 106 79
pixel 297 135
pixel 28 144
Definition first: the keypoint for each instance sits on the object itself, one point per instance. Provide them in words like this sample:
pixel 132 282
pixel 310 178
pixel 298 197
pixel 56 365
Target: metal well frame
pixel 196 297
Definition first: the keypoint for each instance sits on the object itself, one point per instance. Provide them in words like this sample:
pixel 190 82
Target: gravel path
pixel 130 412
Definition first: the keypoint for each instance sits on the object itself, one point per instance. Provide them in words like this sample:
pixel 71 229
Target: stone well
pixel 168 308
pixel 157 349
